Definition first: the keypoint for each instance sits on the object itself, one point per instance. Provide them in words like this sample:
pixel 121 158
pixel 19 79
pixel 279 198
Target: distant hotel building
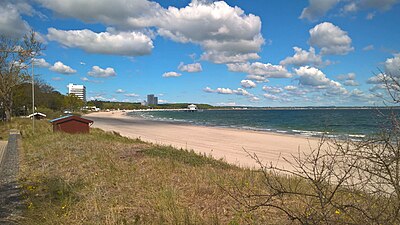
pixel 151 100
pixel 77 90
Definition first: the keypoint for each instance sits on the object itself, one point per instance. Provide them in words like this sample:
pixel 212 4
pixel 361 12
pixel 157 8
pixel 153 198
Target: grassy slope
pixel 103 178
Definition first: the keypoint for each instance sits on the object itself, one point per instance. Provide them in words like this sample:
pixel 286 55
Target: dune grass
pixel 104 178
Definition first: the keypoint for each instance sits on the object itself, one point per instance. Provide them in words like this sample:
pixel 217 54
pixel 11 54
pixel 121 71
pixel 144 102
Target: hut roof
pixel 37 114
pixel 70 117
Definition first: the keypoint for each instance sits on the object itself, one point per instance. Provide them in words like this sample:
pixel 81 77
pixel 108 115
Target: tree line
pixel 47 100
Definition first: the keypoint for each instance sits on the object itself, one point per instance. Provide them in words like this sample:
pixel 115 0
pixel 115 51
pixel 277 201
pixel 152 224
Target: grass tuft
pixel 188 157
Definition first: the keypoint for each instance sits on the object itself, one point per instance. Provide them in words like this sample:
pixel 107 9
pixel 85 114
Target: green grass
pixel 104 178
pixel 185 156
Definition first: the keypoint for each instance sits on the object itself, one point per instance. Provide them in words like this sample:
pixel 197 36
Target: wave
pixel 357 135
pixel 204 121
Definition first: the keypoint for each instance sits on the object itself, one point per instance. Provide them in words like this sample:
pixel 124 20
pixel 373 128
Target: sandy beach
pixel 224 143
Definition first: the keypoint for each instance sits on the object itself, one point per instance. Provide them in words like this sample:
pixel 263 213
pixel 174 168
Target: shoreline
pixel 298 132
pixel 251 129
pixel 218 142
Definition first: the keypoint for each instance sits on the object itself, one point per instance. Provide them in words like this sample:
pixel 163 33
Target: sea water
pixel 341 123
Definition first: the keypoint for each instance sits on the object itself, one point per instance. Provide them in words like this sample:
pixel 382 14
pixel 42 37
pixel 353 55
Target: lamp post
pixel 33 96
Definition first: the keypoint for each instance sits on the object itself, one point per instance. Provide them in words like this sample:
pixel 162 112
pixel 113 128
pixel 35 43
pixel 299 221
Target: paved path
pixel 10 195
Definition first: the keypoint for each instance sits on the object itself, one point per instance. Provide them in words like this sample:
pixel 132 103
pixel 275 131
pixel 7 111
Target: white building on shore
pixel 192 107
pixel 77 90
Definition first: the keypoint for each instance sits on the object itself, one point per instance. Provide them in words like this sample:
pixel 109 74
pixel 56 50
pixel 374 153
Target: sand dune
pixel 219 142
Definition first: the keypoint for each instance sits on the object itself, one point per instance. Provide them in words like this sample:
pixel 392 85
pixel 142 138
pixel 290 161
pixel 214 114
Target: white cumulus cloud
pixel 171 74
pixel 99 72
pixel 11 22
pixel 118 43
pixel 224 91
pixel 330 39
pixel 257 78
pixel 303 57
pixel 254 99
pixel 41 63
pixel 335 89
pixel 274 90
pixel 228 91
pixel 241 91
pixel 208 90
pixel 59 67
pixel 190 68
pixel 248 84
pixel 224 32
pixel 316 79
pixel 392 66
pixel 271 97
pixel 391 70
pixel 317 9
pixel 377 79
pixel 357 93
pixel 266 70
pixel 311 76
pixel 120 13
pixel 349 76
pixel 290 88
pixel 228 57
pixel 351 83
pixel 348 79
pixel 376 4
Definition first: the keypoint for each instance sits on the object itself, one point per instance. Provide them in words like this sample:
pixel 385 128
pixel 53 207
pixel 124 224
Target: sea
pixel 333 123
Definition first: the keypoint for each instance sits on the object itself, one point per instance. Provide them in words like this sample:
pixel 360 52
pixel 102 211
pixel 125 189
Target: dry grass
pixel 103 178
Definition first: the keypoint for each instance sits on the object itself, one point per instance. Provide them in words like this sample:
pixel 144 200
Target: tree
pixel 97 103
pixel 15 57
pixel 73 102
pixel 46 97
pixel 22 99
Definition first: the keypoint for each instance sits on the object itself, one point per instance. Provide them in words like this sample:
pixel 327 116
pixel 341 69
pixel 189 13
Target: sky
pixel 227 53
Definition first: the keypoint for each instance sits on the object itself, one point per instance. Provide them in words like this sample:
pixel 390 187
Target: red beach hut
pixel 71 124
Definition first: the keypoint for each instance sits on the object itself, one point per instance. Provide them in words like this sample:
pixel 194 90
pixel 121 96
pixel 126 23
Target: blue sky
pixel 237 52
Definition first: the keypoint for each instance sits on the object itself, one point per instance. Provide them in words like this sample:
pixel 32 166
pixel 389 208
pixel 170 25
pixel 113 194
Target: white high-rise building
pixel 78 90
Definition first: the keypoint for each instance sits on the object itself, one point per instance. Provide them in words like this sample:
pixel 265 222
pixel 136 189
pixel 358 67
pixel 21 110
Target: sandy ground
pixel 224 143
